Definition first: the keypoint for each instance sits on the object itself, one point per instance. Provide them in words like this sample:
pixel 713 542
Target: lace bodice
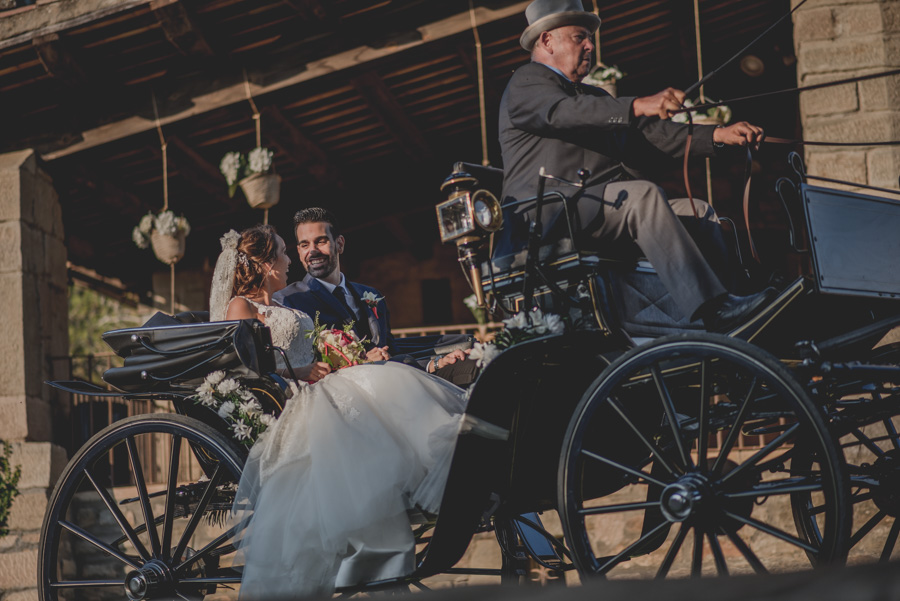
pixel 289 328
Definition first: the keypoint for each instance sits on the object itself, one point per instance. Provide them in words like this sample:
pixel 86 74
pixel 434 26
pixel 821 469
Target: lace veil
pixel 223 276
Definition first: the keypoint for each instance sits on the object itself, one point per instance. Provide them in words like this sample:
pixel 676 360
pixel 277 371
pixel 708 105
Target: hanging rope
pixel 163 144
pixel 709 194
pixel 479 63
pixel 257 121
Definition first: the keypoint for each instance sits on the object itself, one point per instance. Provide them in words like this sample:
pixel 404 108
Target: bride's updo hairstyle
pixel 256 247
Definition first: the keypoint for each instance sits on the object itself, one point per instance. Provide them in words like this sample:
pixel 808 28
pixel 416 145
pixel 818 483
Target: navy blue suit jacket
pixel 310 296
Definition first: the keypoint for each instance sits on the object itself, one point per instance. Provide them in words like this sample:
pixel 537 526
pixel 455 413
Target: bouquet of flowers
pixel 235 166
pixel 337 347
pixel 166 223
pixel 717 115
pixel 523 326
pixel 236 405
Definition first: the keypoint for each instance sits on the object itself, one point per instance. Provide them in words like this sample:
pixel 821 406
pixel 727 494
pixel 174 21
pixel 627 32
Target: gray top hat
pixel 544 15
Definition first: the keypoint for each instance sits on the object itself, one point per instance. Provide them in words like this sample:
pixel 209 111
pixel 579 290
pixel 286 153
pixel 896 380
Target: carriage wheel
pixel 865 411
pixel 680 461
pixel 142 470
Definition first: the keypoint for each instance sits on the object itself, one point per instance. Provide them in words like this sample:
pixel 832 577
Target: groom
pixel 325 291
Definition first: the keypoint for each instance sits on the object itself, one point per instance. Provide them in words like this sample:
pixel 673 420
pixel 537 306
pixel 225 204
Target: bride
pixel 325 491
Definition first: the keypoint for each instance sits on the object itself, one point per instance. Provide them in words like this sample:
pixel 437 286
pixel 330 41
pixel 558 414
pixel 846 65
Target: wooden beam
pixel 372 88
pixel 179 29
pixel 58 61
pixel 293 143
pixel 309 9
pixel 235 93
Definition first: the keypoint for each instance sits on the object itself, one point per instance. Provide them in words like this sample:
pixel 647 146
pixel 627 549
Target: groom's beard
pixel 322 269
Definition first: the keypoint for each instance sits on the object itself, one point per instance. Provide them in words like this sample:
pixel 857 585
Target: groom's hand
pixel 379 353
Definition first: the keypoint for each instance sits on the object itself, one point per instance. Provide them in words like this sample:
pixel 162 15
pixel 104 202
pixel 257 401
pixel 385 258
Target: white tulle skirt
pixel 325 491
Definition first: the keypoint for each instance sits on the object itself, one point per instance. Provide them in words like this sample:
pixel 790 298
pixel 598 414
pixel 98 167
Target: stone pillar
pixel 839 39
pixel 35 330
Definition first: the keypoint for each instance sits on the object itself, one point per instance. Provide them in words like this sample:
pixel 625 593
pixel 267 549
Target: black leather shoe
pixel 732 310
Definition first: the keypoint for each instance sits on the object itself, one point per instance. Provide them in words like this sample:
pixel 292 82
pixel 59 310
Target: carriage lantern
pixel 466 217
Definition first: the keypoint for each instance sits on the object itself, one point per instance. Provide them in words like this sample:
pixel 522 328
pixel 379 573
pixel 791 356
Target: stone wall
pixel 839 39
pixel 35 330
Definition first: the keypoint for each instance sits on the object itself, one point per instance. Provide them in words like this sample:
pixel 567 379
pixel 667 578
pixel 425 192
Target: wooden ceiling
pixel 367 104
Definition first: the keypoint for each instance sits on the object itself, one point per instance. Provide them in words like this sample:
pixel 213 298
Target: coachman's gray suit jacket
pixel 548 121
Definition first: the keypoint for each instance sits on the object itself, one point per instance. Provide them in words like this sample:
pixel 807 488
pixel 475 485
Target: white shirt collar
pixel 556 70
pixel 330 287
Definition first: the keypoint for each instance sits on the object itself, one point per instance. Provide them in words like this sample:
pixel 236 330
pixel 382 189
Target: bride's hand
pixel 314 371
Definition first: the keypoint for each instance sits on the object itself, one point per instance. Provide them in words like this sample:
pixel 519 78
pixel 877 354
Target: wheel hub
pixel 886 494
pixel 153 579
pixel 684 497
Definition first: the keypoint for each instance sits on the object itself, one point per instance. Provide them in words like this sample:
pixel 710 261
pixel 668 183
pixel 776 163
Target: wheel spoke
pixel 891 541
pixel 620 507
pixel 763 452
pixel 611 563
pixel 748 553
pixel 198 513
pixel 211 546
pixel 126 528
pixel 169 515
pixel 138 473
pixel 87 536
pixel 787 486
pixel 697 555
pixel 672 552
pixel 735 429
pixel 85 583
pixel 721 566
pixel 666 399
pixel 703 435
pixel 654 450
pixel 867 442
pixel 772 531
pixel 624 468
pixel 867 527
pixel 892 432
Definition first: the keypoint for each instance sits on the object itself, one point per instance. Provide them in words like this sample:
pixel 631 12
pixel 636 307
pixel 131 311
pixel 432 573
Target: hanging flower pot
pixel 717 115
pixel 605 78
pixel 165 233
pixel 168 248
pixel 263 190
pixel 610 88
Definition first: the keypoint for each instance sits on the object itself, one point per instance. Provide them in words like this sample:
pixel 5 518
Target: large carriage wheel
pixel 866 416
pixel 170 471
pixel 680 460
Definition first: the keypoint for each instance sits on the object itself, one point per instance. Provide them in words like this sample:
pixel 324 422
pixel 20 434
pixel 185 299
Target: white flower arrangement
pixel 522 326
pixel 479 313
pixel 602 74
pixel 719 114
pixel 235 166
pixel 236 405
pixel 166 222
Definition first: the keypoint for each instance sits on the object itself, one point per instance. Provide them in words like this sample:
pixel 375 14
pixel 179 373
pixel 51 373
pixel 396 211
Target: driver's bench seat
pixel 625 293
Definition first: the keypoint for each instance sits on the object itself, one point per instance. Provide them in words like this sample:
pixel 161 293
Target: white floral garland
pixel 522 326
pixel 236 405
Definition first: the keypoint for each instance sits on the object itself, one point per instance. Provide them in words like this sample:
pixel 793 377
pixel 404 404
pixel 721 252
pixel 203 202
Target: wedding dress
pixel 325 491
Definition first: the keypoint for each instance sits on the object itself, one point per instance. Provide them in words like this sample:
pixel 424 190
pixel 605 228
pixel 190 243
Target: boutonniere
pixel 370 299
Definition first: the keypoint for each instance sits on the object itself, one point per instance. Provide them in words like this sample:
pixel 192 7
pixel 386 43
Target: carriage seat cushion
pixel 644 306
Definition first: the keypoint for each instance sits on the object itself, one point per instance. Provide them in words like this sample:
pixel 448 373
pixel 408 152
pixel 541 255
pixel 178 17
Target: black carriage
pixel 684 454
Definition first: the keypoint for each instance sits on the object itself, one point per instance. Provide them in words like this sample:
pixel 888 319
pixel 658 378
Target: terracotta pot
pixel 167 248
pixel 262 190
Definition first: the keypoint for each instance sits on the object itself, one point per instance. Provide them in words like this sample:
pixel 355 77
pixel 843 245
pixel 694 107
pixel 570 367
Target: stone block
pixel 828 56
pixel 43 198
pixel 39 417
pixel 54 256
pixel 862 127
pixel 847 166
pixel 879 94
pixel 42 463
pixel 14 425
pixel 10 246
pixel 828 101
pixel 854 20
pixel 814 24
pixel 12 166
pixel 883 167
pixel 32 249
pixel 18 569
pixel 27 511
pixel 30 594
